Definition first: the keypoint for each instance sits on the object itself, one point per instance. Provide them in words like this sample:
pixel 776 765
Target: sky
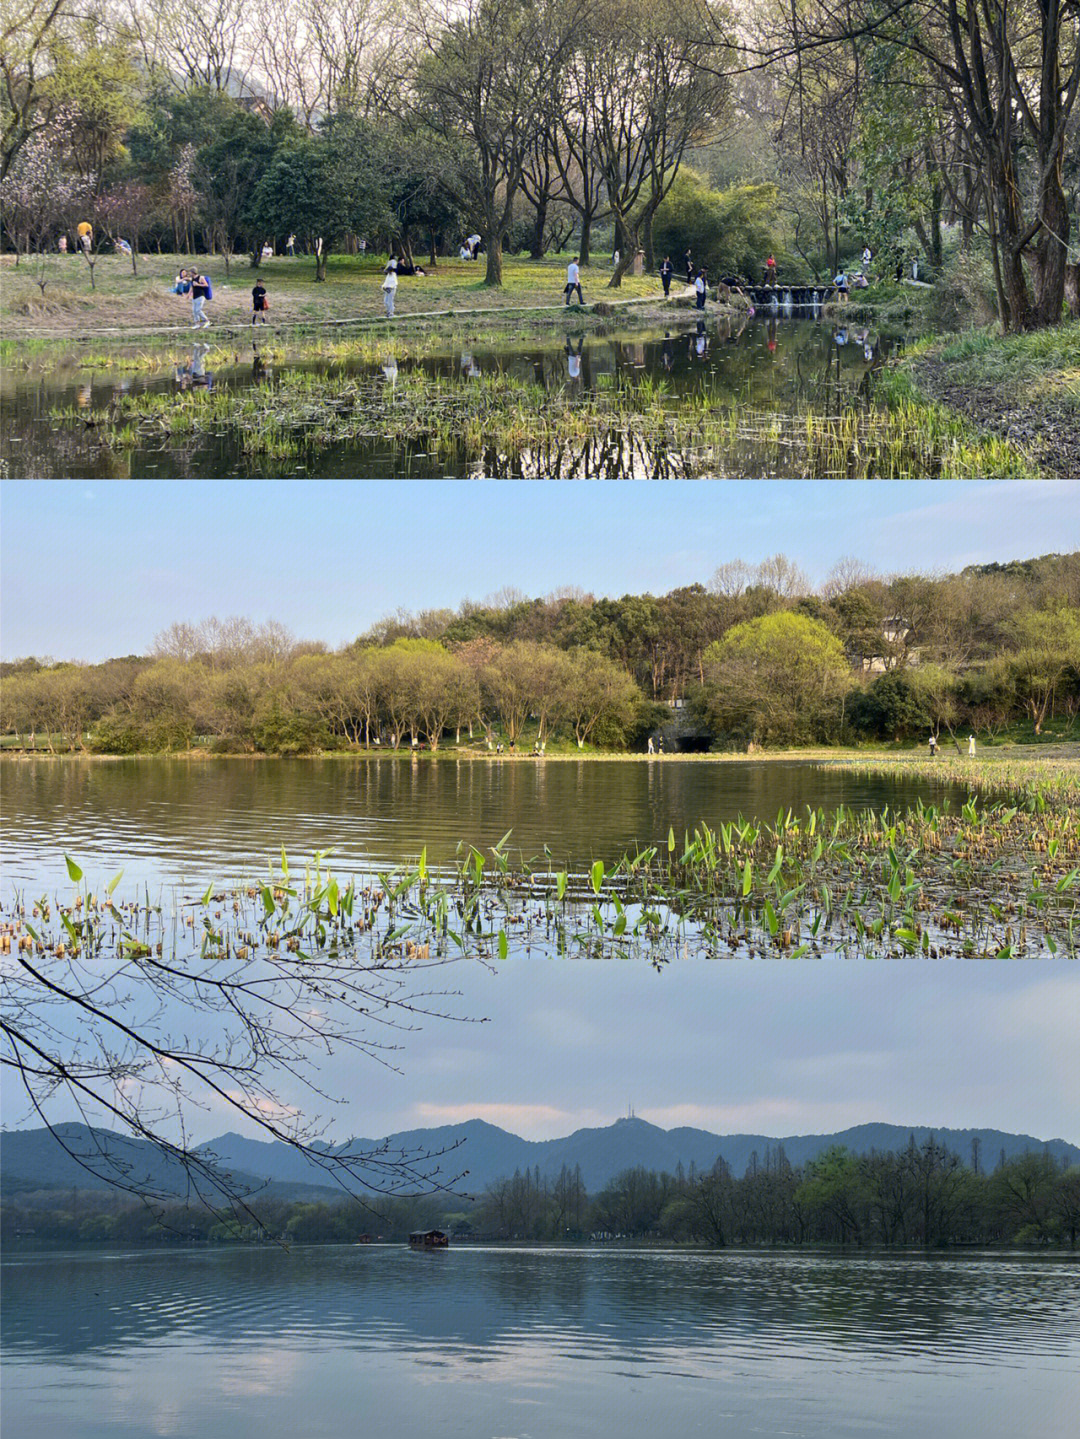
pixel 98 568
pixel 765 1047
pixel 92 569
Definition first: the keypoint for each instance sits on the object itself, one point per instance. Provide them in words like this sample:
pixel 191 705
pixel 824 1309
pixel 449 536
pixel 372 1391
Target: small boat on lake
pixel 428 1239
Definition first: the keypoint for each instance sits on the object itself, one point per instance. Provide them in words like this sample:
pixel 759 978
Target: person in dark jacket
pixel 259 303
pixel 667 269
pixel 200 293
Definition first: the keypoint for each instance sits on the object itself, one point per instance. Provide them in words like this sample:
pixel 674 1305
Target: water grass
pixel 628 426
pixel 990 881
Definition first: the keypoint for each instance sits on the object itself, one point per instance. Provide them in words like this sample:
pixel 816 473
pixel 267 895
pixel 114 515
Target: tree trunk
pixel 586 240
pixel 647 242
pixel 493 273
pixel 1072 290
pixel 626 243
pixel 536 249
pixel 1051 257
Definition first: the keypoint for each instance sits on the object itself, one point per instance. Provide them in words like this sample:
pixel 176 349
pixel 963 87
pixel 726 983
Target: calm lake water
pixel 176 820
pixel 381 1343
pixel 774 362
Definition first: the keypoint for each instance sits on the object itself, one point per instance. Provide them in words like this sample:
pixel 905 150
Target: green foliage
pixel 328 185
pixel 727 230
pixel 778 679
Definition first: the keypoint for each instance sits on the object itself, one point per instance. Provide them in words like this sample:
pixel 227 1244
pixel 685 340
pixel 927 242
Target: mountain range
pixel 479 1152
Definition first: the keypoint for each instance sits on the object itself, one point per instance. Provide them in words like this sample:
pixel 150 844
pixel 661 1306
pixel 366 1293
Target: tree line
pixel 826 124
pixel 923 1196
pixel 755 656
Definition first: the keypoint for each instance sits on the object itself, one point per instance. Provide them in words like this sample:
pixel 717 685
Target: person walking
pixel 573 281
pixel 689 263
pixel 933 744
pixel 290 246
pixel 259 303
pixel 389 289
pixel 201 291
pixel 667 269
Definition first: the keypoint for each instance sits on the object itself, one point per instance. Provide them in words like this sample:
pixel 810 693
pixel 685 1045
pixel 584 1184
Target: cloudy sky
pixel 96 569
pixel 92 569
pixel 734 1046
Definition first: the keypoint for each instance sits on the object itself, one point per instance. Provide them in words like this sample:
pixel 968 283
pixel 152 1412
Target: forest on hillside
pixel 925 1196
pixel 755 656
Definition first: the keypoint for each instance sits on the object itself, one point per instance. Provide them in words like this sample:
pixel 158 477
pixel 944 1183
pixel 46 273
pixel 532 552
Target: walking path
pixel 235 328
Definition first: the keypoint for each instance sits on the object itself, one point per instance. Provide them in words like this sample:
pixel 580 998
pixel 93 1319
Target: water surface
pixel 526 1343
pixel 222 819
pixel 773 362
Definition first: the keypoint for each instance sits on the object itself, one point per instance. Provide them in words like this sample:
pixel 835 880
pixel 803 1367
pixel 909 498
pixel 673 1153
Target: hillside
pixel 480 1152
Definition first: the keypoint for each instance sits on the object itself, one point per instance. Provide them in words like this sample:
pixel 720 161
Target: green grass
pixel 351 292
pixel 986 356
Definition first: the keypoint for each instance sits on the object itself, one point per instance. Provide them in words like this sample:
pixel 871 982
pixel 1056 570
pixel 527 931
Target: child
pixel 259 303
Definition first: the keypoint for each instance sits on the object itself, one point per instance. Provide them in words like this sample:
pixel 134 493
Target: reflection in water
pixel 217 818
pixel 596 1341
pixel 767 361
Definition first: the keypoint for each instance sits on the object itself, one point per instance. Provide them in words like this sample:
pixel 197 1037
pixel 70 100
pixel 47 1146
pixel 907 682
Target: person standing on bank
pixel 667 269
pixel 389 289
pixel 700 289
pixel 259 303
pixel 200 293
pixel 573 281
pixel 971 746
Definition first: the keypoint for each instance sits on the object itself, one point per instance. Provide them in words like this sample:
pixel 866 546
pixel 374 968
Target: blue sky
pixel 97 568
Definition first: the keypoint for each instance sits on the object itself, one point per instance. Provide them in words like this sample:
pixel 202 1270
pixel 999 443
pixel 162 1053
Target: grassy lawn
pixel 352 291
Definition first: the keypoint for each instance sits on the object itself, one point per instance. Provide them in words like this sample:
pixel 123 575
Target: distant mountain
pixel 32 1159
pixel 82 1158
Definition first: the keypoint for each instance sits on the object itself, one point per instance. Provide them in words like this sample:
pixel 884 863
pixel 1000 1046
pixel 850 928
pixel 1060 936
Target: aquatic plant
pixel 626 425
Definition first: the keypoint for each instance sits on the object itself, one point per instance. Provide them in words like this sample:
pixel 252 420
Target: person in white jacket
pixel 573 281
pixel 389 289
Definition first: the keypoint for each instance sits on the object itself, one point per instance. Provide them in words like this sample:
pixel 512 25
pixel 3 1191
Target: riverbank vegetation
pixel 923 1197
pixel 502 425
pixel 1022 388
pixel 756 657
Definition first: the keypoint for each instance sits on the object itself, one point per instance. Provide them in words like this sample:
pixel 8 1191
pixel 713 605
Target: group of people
pixel 198 286
pixel 394 268
pixel 934 745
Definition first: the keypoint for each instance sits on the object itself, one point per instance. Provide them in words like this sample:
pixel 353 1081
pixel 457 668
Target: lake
pixel 527 1343
pixel 178 821
pixel 780 364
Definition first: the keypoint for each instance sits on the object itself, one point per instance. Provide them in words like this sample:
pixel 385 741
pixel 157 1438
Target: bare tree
pixel 136 1016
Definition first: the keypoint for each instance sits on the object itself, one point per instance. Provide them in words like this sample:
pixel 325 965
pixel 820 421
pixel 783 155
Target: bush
pixel 727 230
pixel 966 295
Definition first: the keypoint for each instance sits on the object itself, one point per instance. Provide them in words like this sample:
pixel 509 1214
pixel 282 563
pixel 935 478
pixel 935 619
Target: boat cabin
pixel 428 1239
